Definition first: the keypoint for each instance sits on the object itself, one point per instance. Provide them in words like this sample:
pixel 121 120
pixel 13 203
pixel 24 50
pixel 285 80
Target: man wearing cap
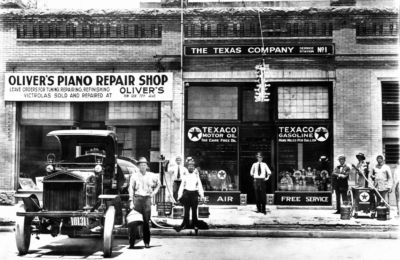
pixel 177 172
pixel 142 187
pixel 261 173
pixel 340 183
pixel 189 191
pixel 362 167
pixel 396 184
pixel 382 177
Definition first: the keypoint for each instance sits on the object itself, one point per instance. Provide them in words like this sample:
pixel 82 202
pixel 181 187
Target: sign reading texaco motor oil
pixel 213 134
pixel 302 134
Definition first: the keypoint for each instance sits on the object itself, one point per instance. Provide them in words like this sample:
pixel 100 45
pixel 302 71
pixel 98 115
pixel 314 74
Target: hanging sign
pixel 302 134
pixel 213 134
pixel 92 87
pixel 257 50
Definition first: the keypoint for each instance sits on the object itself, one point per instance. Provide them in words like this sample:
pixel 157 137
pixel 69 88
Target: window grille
pixel 390 101
pixel 392 153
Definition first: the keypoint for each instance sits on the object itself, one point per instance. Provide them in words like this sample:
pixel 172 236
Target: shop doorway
pixel 253 139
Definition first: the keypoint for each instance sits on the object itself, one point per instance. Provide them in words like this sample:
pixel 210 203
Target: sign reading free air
pixel 89 87
pixel 257 50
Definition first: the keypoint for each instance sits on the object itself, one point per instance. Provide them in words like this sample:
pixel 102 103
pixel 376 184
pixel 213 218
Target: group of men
pixel 379 177
pixel 188 187
pixel 144 185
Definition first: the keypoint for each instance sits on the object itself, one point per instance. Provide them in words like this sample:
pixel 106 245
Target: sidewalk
pixel 279 222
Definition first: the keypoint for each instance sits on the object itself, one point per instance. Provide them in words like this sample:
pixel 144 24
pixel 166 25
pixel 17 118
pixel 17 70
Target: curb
pixel 278 233
pixel 6 229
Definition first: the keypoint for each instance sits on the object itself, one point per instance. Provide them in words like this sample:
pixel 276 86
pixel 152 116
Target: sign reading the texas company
pixel 302 134
pixel 88 87
pixel 213 134
pixel 257 50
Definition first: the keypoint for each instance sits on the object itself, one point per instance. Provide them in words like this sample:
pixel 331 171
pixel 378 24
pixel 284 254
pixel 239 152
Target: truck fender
pixel 113 200
pixel 31 202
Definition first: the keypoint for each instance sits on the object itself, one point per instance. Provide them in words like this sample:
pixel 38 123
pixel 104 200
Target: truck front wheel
pixel 23 231
pixel 108 233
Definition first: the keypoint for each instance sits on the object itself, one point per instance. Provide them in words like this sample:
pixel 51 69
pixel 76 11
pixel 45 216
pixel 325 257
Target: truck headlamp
pixel 49 168
pixel 98 168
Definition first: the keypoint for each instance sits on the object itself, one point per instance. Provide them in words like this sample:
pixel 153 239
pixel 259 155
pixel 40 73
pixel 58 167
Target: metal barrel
pixel 345 212
pixel 177 212
pixel 382 213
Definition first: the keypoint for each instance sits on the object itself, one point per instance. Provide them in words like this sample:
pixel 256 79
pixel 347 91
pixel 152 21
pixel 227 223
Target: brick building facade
pixel 340 91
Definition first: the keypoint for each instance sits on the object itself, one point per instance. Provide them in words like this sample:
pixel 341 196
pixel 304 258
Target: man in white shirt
pixel 396 185
pixel 261 173
pixel 176 172
pixel 189 192
pixel 143 186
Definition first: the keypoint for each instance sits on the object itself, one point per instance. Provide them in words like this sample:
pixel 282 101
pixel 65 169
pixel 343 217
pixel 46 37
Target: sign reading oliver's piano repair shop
pixel 302 134
pixel 213 134
pixel 303 199
pixel 88 87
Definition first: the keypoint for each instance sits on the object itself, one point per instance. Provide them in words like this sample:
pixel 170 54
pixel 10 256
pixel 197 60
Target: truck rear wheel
pixel 23 231
pixel 108 233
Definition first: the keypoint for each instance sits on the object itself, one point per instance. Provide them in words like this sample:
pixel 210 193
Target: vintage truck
pixel 84 191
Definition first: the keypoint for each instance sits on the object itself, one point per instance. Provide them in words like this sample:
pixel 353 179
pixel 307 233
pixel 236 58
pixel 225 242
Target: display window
pixel 215 151
pixel 34 148
pixel 300 167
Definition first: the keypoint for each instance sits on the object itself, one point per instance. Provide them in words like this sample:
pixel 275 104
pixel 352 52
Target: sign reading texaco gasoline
pixel 213 134
pixel 302 134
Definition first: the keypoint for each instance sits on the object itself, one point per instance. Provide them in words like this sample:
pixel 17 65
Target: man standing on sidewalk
pixel 382 177
pixel 361 166
pixel 142 187
pixel 396 184
pixel 261 173
pixel 340 183
pixel 189 192
pixel 177 172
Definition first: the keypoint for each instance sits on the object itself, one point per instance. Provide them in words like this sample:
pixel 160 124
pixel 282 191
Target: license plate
pixel 79 221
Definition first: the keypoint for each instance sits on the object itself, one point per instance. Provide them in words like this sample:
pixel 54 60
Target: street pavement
pixel 167 248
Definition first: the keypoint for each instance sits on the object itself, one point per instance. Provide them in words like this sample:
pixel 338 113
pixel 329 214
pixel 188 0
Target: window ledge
pixel 389 122
pixel 257 38
pixel 87 39
pixel 377 37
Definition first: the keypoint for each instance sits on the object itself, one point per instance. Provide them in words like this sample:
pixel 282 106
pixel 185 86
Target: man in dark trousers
pixel 142 187
pixel 189 192
pixel 261 173
pixel 340 177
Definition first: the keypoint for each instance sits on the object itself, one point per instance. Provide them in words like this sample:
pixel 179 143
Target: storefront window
pixel 254 111
pixel 300 167
pixel 219 103
pixel 35 147
pixel 303 102
pixel 214 150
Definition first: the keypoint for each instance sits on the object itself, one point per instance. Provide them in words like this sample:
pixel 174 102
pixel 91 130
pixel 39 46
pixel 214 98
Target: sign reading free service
pixel 89 87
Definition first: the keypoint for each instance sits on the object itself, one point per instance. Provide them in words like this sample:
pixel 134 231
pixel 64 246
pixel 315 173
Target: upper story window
pixel 303 102
pixel 390 101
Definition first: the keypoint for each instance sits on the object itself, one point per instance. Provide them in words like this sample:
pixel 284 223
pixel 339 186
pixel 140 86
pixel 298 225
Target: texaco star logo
pixel 364 197
pixel 321 134
pixel 194 134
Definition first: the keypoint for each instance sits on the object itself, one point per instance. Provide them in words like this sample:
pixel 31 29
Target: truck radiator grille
pixel 63 196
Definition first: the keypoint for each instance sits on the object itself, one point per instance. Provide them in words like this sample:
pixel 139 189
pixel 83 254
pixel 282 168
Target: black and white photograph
pixel 199 129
